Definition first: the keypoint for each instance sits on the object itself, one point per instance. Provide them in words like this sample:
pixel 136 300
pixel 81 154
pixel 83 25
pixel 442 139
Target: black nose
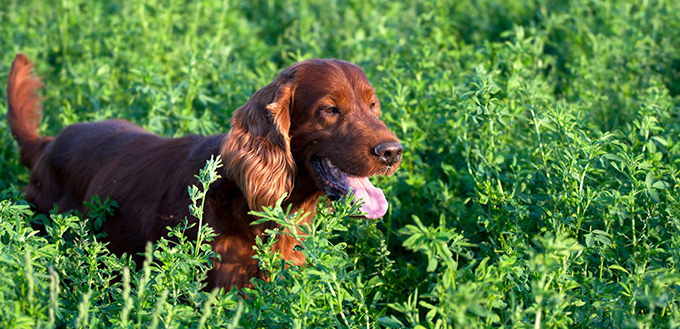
pixel 388 153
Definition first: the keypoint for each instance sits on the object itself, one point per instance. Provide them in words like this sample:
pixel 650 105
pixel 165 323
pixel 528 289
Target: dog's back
pixel 66 165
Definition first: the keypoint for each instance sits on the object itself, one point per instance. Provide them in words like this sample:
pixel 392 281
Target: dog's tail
pixel 24 109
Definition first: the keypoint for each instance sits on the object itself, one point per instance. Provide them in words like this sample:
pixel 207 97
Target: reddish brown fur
pixel 268 152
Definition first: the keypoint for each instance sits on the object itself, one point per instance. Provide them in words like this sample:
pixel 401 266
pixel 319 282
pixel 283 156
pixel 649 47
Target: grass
pixel 540 185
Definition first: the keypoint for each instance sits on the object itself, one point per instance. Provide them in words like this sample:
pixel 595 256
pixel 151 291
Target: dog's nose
pixel 388 153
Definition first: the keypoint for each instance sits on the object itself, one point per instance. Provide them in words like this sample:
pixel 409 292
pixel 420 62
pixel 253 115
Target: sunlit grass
pixel 539 186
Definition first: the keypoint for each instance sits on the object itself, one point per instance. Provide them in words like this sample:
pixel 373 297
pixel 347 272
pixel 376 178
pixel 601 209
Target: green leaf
pixel 660 185
pixel 390 322
pixel 619 268
pixel 649 179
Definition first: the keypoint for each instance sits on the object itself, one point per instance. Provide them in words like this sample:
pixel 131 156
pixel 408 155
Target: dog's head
pixel 320 115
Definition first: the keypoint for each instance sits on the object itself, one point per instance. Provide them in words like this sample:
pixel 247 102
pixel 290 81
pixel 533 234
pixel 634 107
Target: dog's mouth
pixel 337 184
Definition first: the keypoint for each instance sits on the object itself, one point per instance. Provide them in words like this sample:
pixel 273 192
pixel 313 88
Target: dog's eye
pixel 372 106
pixel 331 110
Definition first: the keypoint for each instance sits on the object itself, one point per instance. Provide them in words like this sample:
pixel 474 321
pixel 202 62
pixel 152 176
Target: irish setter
pixel 314 130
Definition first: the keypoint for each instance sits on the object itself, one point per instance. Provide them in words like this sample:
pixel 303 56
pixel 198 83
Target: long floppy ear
pixel 256 152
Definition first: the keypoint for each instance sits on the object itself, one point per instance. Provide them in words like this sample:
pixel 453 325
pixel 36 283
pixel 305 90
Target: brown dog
pixel 313 131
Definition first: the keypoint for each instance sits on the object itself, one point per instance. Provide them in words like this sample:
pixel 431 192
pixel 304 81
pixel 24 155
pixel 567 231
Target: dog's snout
pixel 388 153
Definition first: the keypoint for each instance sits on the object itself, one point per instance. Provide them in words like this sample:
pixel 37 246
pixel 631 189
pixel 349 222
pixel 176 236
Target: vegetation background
pixel 539 186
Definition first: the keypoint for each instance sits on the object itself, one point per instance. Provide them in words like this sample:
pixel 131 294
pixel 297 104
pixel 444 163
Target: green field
pixel 540 186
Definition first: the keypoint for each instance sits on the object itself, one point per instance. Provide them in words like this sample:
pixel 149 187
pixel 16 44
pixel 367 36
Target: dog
pixel 314 130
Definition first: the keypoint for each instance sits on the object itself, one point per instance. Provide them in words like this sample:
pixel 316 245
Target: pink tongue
pixel 375 204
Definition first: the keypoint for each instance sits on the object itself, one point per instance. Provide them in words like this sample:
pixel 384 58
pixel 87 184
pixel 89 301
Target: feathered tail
pixel 24 109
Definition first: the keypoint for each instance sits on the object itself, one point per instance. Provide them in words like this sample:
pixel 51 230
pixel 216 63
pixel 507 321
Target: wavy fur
pixel 256 152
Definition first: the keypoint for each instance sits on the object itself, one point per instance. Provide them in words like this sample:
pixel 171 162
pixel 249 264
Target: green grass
pixel 540 186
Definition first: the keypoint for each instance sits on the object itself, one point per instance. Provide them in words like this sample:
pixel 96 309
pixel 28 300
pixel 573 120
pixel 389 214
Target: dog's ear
pixel 256 152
